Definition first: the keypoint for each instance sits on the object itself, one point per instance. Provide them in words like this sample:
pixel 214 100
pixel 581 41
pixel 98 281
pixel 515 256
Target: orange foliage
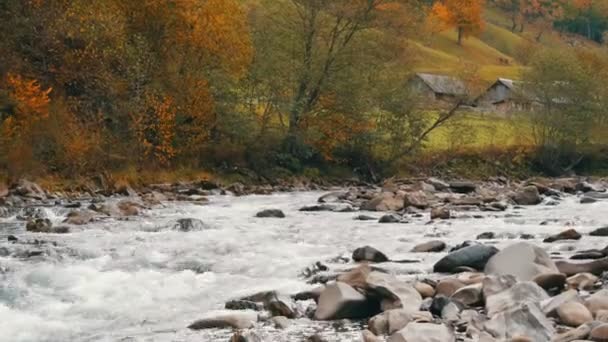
pixel 464 15
pixel 155 130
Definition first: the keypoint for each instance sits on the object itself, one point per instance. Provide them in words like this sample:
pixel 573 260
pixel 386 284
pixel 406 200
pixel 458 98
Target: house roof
pixel 442 84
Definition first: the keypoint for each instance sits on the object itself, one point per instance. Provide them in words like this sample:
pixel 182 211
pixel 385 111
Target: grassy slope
pixel 441 54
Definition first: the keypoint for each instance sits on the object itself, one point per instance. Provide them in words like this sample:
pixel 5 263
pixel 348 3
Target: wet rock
pixel 12 238
pixel 31 213
pixel 416 199
pixel 365 218
pixel 385 202
pixel 189 225
pixel 129 208
pixel 391 321
pixel 390 218
pixel 391 292
pixel 274 213
pixel 280 322
pixel 523 260
pixel 597 301
pixel 280 306
pixel 551 281
pixel 587 255
pixel 596 267
pixel 440 213
pixel 28 189
pixel 587 200
pixel 467 243
pixel 475 256
pixel 549 306
pixel 39 226
pixel 486 236
pixel 582 281
pixel 603 231
pixel 368 253
pixel 430 246
pixel 80 217
pixel 448 286
pixel 337 207
pixel 339 300
pixel 522 292
pixel 587 187
pixel 425 290
pixel 313 294
pixel 242 305
pixel 247 336
pixel 524 319
pixel 529 195
pixel 572 335
pixel 599 333
pixel 368 336
pixel 438 184
pixel 235 320
pixel 569 234
pixel 470 295
pixel 574 314
pixel 423 332
pixel 332 197
pixel 463 187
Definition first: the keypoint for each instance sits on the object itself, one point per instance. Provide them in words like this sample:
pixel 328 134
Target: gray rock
pixel 523 260
pixel 339 300
pixel 529 195
pixel 475 256
pixel 274 213
pixel 587 200
pixel 603 231
pixel 368 253
pixel 423 332
pixel 235 320
pixel 524 292
pixel 494 284
pixel 189 225
pixel 391 321
pixel 549 306
pixel 281 322
pixel 391 292
pixel 523 319
pixel 438 184
pixel 390 218
pixel 430 246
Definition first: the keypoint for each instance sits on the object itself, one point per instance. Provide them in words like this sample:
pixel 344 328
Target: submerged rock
pixel 235 320
pixel 189 225
pixel 274 213
pixel 569 234
pixel 368 253
pixel 475 256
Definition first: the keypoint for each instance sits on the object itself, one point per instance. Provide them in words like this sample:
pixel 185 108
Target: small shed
pixel 438 88
pixel 504 96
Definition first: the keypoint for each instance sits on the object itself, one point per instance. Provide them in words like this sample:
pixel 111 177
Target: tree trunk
pixel 513 23
pixel 460 36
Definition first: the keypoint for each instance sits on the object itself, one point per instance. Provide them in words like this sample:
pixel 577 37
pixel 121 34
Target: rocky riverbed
pixel 411 260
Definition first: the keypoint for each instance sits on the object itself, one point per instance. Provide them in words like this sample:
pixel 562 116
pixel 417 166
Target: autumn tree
pixel 513 8
pixel 543 13
pixel 464 15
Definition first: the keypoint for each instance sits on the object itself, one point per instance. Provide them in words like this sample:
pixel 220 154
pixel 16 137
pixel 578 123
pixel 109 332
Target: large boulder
pixel 226 319
pixel 368 253
pixel 423 332
pixel 416 199
pixel 475 256
pixel 387 201
pixel 523 319
pixel 528 195
pixel 340 300
pixel 524 292
pixel 523 260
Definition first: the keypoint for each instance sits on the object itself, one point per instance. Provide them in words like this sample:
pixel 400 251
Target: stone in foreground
pixel 423 332
pixel 523 320
pixel 339 300
pixel 523 260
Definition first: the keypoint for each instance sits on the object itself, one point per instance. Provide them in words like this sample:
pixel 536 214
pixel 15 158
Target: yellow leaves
pixel 31 105
pixel 465 15
pixel 154 130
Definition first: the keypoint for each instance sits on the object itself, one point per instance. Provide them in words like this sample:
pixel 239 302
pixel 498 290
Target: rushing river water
pixel 140 280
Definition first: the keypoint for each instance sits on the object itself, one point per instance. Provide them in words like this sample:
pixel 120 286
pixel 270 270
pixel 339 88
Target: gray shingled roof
pixel 442 84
